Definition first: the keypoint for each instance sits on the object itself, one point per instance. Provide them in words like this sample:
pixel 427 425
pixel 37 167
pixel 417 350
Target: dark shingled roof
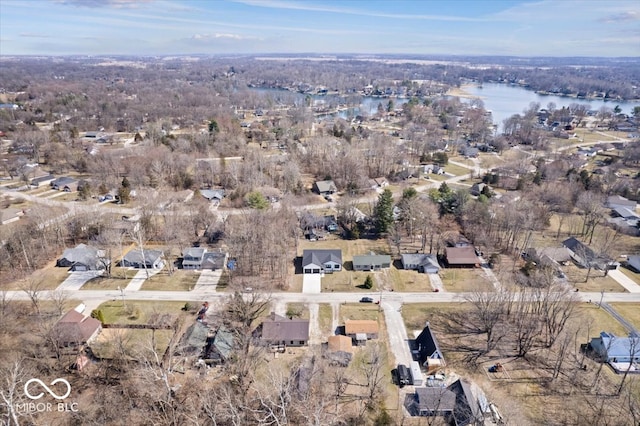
pixel 320 257
pixel 276 328
pixel 73 327
pixel 435 399
pixel 462 256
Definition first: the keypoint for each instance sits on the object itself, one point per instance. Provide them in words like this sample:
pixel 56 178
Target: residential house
pixel 634 262
pixel 477 188
pixel 213 195
pixel 194 340
pixel 584 256
pixel 141 259
pixel 65 183
pixel 377 183
pixel 321 261
pixel 42 180
pixel 549 256
pixel 432 168
pixel 219 347
pixel 201 258
pixel 464 257
pixel 325 187
pixel 371 262
pixel 467 408
pixel 421 262
pixel 339 350
pixel 429 353
pixel 10 214
pixel 74 329
pixel 279 331
pixel 621 353
pixel 361 330
pixel 83 258
pixel 435 401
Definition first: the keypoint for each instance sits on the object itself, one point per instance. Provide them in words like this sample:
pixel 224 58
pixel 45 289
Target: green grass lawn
pixel 456 170
pixel 629 311
pixel 180 280
pixel 600 320
pixel 138 311
pixel 298 310
pixel 465 280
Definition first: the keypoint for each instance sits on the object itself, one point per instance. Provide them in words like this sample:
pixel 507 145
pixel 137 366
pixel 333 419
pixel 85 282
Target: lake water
pixel 505 100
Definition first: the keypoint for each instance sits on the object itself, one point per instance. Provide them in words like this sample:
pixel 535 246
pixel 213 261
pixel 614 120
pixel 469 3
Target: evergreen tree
pixel 368 282
pixel 383 212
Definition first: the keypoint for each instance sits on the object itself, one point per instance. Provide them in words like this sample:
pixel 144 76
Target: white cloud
pixel 223 36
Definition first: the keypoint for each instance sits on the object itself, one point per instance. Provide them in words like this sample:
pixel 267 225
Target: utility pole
pixel 122 294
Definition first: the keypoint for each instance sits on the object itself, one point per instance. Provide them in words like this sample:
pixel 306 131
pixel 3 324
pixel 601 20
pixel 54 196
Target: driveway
pixel 624 281
pixel 398 340
pixel 76 280
pixel 311 283
pixel 136 282
pixel 436 282
pixel 315 335
pixel 208 280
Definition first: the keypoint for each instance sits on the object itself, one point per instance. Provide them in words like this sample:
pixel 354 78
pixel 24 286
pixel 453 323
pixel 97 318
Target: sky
pixel 423 27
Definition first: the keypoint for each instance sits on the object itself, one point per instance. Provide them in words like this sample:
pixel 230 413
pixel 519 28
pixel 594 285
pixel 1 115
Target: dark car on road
pixel 366 300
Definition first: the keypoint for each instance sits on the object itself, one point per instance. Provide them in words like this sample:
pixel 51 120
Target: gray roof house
pixel 325 187
pixel 618 352
pixel 421 262
pixel 371 262
pixel 42 180
pixel 321 261
pixel 435 401
pixel 584 256
pixel 9 215
pixel 220 346
pixel 614 201
pixel 201 258
pixel 65 183
pixel 634 261
pixel 83 258
pixel 213 195
pixel 467 409
pixel 281 331
pixel 136 259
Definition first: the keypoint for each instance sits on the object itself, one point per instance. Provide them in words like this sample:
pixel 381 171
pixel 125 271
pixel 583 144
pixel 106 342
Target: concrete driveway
pixel 398 340
pixel 311 283
pixel 208 280
pixel 624 281
pixel 136 282
pixel 77 279
pixel 436 282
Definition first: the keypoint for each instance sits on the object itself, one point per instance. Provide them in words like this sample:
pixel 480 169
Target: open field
pixel 325 319
pixel 630 312
pixel 456 170
pixel 47 278
pixel 137 311
pixel 465 280
pixel 180 280
pixel 298 310
pixel 130 343
pixel 404 280
pixel 360 311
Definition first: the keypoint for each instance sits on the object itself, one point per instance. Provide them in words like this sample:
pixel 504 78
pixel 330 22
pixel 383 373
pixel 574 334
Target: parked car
pixel 366 300
pixel 404 378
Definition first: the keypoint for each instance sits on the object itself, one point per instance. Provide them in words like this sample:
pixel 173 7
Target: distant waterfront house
pixel 321 261
pixel 42 180
pixel 461 257
pixel 371 262
pixel 65 183
pixel 153 259
pixel 83 258
pixel 75 329
pixel 280 331
pixel 421 262
pixel 325 187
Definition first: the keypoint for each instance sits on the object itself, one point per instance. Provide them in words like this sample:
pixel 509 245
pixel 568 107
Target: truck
pixel 416 374
pixel 404 378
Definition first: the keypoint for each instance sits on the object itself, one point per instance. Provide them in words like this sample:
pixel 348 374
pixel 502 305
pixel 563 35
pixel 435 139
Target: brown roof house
pixel 339 350
pixel 464 257
pixel 74 329
pixel 361 330
pixel 281 331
